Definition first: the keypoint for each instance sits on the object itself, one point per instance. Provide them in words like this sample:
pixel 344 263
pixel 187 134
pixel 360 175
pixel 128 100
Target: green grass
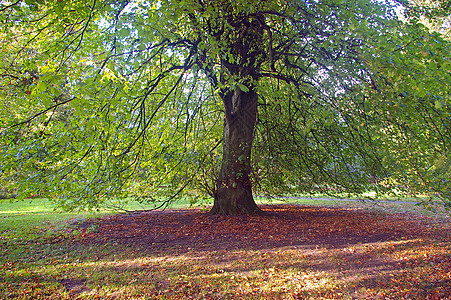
pixel 38 217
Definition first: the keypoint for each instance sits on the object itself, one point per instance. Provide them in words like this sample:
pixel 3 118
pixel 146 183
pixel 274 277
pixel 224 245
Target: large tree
pixel 119 98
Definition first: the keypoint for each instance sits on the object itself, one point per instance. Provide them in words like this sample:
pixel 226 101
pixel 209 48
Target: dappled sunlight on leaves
pixel 291 252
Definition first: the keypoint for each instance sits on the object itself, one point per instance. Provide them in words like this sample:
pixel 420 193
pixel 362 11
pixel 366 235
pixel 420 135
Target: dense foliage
pixel 102 98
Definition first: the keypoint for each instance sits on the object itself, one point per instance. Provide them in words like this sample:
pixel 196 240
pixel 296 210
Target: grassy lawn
pixel 343 252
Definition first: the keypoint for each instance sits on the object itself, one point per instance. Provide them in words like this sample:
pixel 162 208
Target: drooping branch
pixel 80 36
pixel 30 119
pixel 149 121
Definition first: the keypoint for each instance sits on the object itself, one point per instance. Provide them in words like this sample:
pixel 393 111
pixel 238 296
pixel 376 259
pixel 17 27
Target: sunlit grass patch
pixel 172 277
pixel 222 274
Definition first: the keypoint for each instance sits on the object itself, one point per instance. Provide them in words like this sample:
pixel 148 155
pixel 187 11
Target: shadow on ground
pixel 291 252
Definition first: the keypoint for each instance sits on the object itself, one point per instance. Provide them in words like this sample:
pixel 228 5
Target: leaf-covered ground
pixel 291 252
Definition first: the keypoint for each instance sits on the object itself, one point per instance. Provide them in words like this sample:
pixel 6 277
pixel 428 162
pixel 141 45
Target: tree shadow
pixel 291 250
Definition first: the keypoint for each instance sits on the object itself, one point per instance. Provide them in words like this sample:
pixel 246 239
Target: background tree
pixel 150 98
pixel 436 15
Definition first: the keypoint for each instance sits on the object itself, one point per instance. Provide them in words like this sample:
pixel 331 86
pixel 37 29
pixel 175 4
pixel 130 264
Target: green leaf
pixel 243 87
pixel 124 32
pixel 41 86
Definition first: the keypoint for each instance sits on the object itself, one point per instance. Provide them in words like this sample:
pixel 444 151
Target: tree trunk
pixel 234 189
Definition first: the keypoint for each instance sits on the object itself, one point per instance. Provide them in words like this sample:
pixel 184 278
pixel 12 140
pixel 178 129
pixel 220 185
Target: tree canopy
pixel 218 98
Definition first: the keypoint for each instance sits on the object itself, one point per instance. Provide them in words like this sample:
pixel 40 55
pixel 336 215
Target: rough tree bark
pixel 234 190
pixel 233 193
